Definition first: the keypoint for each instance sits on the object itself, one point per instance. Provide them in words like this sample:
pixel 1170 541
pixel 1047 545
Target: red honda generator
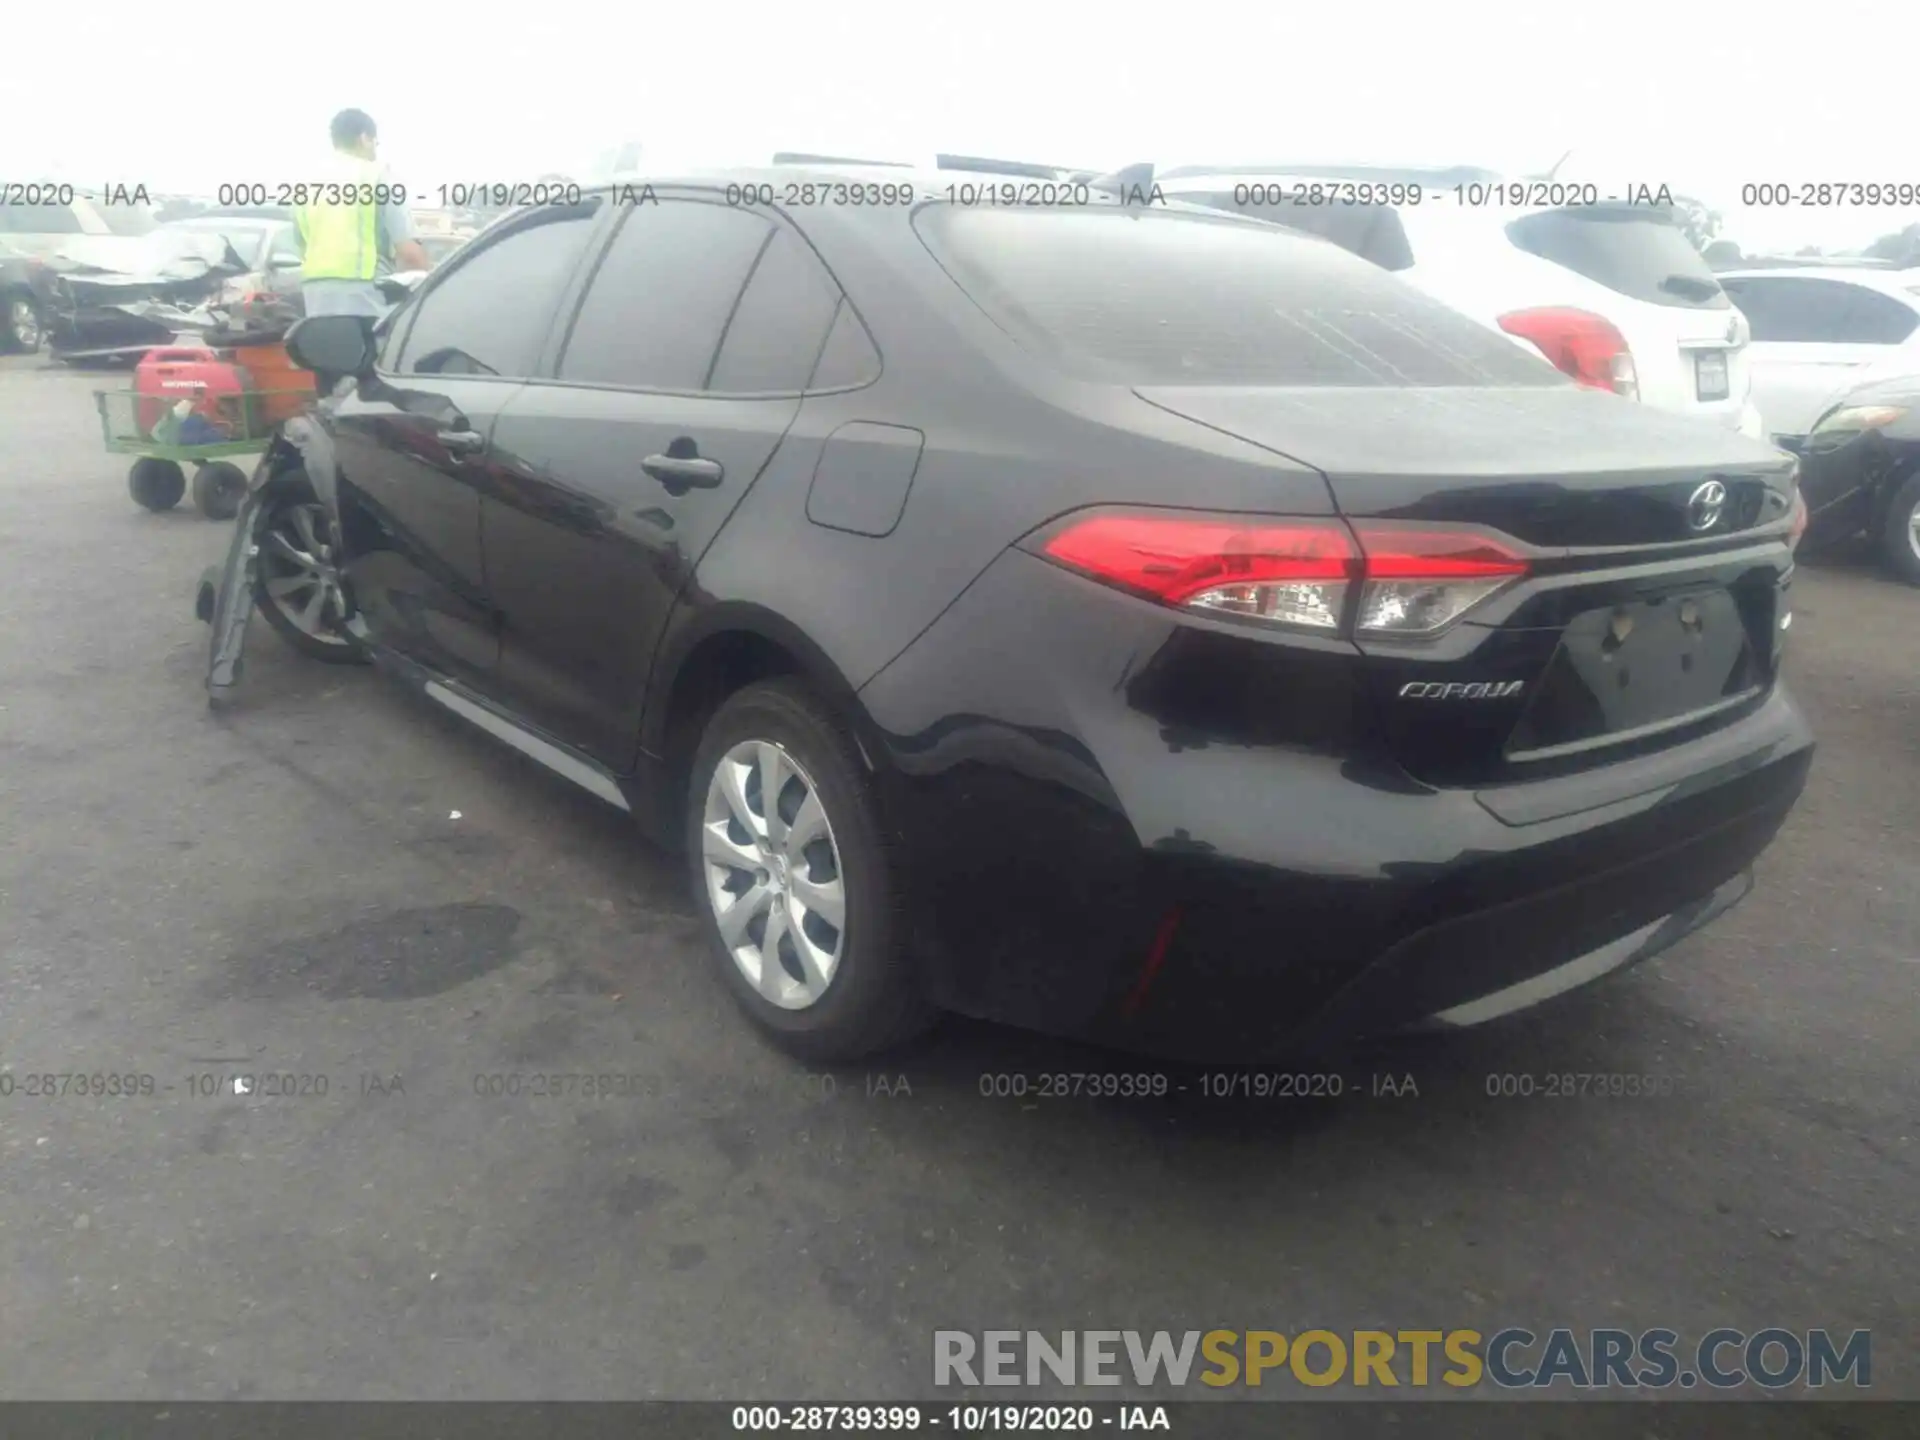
pixel 219 391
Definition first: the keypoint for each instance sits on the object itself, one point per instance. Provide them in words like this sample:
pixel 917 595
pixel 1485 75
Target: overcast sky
pixel 1701 97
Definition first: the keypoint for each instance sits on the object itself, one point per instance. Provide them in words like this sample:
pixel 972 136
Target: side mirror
pixel 285 262
pixel 332 345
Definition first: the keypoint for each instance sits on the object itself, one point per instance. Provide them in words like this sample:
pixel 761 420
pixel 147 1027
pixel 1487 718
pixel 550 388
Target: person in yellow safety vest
pixel 353 225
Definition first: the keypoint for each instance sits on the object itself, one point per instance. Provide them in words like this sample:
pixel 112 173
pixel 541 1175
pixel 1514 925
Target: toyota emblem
pixel 1705 504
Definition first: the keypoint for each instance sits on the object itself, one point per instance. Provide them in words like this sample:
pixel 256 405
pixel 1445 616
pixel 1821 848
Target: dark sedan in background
pixel 1145 624
pixel 119 307
pixel 1861 472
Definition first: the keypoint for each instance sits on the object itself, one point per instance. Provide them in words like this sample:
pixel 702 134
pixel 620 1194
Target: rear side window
pixel 663 295
pixel 1797 310
pixel 1632 250
pixel 1373 232
pixel 490 315
pixel 1164 297
pixel 39 220
pixel 780 323
pixel 849 358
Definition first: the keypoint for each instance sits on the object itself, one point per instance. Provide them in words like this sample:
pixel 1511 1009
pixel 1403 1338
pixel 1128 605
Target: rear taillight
pixel 1797 522
pixel 1579 343
pixel 1290 572
pixel 1399 581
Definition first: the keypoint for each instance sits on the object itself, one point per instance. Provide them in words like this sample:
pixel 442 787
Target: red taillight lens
pixel 1578 343
pixel 1797 522
pixel 1413 581
pixel 1292 572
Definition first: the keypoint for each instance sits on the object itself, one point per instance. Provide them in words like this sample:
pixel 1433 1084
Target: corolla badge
pixel 1460 690
pixel 1705 504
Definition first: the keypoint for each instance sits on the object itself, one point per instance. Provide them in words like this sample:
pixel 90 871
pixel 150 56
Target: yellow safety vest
pixel 340 221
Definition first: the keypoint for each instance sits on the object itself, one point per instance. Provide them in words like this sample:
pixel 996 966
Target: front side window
pixel 491 314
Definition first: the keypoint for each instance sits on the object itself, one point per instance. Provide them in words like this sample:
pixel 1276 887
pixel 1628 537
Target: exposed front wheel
pixel 1900 531
pixel 295 583
pixel 796 882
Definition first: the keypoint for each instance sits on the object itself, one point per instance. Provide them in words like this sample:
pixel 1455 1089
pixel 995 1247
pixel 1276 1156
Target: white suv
pixel 1614 295
pixel 1820 331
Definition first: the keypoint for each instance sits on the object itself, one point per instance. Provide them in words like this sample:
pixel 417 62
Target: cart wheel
pixel 218 489
pixel 156 484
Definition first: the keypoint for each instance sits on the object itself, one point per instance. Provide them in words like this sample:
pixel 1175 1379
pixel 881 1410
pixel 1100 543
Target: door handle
pixel 680 472
pixel 463 442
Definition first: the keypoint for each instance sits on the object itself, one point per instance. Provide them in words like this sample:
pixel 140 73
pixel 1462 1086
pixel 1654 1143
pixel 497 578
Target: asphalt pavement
pixel 341 891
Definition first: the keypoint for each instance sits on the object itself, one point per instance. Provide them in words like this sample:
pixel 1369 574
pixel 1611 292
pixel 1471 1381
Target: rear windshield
pixel 127 219
pixel 1170 297
pixel 1635 252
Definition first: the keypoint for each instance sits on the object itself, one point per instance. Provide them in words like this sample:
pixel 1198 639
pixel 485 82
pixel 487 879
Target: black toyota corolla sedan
pixel 1138 623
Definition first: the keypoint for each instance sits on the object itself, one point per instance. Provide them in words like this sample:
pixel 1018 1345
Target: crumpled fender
pixel 225 596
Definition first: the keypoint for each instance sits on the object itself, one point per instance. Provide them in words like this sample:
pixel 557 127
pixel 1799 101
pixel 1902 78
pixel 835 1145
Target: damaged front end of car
pixel 93 310
pixel 301 453
pixel 338 350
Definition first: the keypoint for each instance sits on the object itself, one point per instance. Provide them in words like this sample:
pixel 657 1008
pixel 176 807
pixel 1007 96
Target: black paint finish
pixel 1149 826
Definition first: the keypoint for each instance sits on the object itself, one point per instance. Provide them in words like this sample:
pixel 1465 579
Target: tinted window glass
pixel 663 295
pixel 490 314
pixel 849 358
pixel 780 324
pixel 1373 232
pixel 1633 251
pixel 1875 319
pixel 1181 298
pixel 1813 312
pixel 41 219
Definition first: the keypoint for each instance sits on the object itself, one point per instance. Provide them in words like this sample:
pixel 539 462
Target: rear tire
pixel 788 866
pixel 156 485
pixel 1900 531
pixel 294 587
pixel 218 489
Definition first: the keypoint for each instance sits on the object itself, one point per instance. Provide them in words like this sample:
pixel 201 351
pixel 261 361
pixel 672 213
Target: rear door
pixel 1813 337
pixel 680 374
pixel 1639 270
pixel 414 444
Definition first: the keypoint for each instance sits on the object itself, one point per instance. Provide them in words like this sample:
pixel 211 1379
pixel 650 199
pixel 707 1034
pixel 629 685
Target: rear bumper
pixel 1083 867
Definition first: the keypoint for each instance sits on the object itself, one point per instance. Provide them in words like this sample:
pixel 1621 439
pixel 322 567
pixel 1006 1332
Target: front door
pixel 414 443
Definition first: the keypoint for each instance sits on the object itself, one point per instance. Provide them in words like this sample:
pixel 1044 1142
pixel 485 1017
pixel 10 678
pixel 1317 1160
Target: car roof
pixel 928 182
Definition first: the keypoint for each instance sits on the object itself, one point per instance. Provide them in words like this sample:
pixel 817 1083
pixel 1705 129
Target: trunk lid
pixel 1636 625
pixel 1559 467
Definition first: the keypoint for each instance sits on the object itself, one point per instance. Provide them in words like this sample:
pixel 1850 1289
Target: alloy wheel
pixel 773 876
pixel 300 580
pixel 1913 531
pixel 24 321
